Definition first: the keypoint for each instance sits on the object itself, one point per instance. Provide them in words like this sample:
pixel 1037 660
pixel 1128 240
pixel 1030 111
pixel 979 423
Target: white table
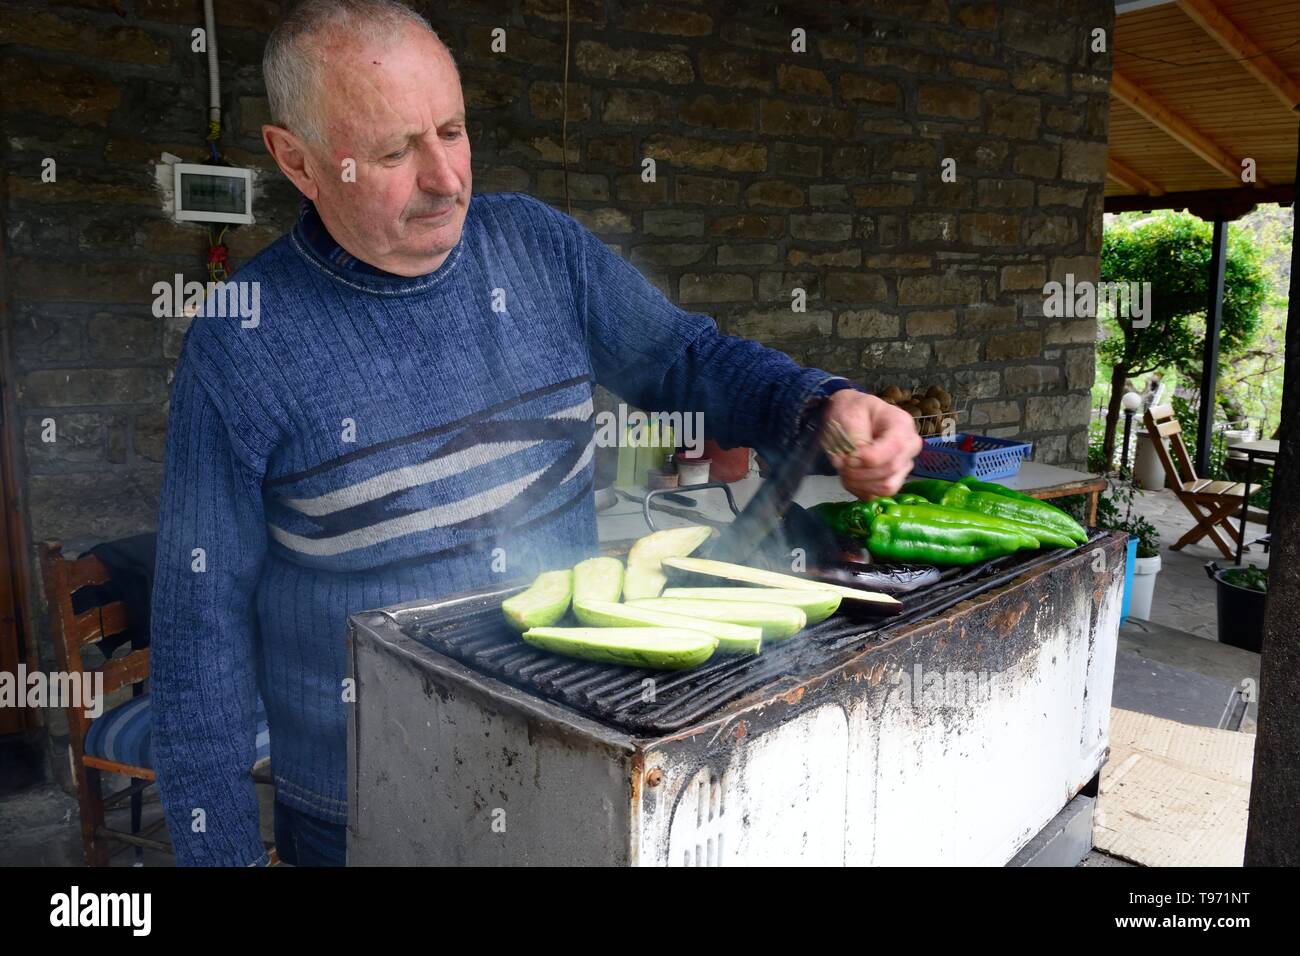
pixel 1268 450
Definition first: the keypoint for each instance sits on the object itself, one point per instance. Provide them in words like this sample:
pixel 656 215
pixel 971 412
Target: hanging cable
pixel 214 78
pixel 218 260
pixel 218 256
pixel 564 110
pixel 1211 62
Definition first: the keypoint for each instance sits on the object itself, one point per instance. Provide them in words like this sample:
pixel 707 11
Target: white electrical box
pixel 213 193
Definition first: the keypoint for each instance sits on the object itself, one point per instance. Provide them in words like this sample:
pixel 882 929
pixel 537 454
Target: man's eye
pixel 454 134
pixel 399 154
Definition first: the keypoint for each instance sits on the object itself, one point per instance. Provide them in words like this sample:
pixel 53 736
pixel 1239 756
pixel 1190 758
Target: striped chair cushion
pixel 122 734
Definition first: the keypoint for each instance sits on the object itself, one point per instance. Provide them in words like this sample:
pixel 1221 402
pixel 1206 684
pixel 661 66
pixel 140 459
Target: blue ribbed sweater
pixel 371 441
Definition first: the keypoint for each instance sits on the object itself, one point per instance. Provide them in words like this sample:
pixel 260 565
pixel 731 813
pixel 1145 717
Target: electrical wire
pixel 218 256
pixel 564 111
pixel 1230 59
pixel 218 259
pixel 214 72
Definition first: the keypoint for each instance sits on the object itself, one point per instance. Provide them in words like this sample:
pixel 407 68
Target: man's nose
pixel 436 173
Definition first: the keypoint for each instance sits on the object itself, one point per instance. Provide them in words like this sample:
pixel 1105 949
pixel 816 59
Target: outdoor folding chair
pixel 1212 503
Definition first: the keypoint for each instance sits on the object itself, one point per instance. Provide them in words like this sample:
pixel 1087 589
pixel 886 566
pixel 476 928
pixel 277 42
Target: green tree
pixel 1172 252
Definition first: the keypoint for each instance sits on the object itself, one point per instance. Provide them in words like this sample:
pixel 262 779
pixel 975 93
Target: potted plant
pixel 1242 595
pixel 1115 513
pixel 1146 566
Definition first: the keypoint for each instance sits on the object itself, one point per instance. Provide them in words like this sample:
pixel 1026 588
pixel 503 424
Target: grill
pixel 472 632
pixel 467 746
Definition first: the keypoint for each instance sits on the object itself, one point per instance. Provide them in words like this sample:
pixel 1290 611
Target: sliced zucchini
pixel 818 605
pixel 597 579
pixel 773 579
pixel 645 577
pixel 543 602
pixel 732 638
pixel 664 648
pixel 777 621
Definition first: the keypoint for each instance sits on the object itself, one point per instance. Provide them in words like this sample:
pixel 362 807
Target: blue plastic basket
pixel 992 458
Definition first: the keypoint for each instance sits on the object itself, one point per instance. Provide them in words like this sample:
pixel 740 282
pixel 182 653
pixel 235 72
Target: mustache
pixel 433 211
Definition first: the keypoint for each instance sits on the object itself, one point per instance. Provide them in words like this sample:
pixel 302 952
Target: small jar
pixel 692 471
pixel 656 478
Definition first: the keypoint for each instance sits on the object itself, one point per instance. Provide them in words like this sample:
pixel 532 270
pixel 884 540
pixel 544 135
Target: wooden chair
pixel 1211 503
pixel 72 633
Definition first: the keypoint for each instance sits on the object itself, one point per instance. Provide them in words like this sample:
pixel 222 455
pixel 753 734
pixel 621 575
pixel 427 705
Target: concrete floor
pixel 1184 594
pixel 1173 665
pixel 40 825
pixel 1097 858
pixel 1179 676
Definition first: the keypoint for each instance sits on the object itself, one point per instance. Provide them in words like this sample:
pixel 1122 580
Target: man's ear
pixel 290 155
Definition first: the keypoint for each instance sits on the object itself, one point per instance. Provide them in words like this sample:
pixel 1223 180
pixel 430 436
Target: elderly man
pixel 412 407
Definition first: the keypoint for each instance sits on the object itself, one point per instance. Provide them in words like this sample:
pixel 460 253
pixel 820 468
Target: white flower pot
pixel 1148 473
pixel 1144 586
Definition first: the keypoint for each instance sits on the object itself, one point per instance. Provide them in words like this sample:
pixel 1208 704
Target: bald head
pixel 310 44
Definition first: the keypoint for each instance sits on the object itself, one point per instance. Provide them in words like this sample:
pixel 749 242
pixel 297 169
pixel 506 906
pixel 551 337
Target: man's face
pixel 399 114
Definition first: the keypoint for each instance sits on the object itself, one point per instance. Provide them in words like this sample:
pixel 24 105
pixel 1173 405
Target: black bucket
pixel 1241 612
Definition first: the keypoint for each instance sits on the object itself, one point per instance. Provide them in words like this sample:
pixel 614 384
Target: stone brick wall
pixel 776 170
pixel 104 95
pixel 822 171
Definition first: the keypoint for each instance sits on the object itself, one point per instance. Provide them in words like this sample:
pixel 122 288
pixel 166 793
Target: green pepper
pixel 1056 526
pixel 931 489
pixel 1028 509
pixel 994 488
pixel 1045 535
pixel 911 500
pixel 831 514
pixel 959 498
pixel 942 517
pixel 859 516
pixel 974 484
pixel 902 533
pixel 850 518
pixel 915 530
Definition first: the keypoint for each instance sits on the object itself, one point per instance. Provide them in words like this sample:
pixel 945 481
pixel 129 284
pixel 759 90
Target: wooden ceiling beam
pixel 1128 176
pixel 1226 33
pixel 1160 115
pixel 1210 204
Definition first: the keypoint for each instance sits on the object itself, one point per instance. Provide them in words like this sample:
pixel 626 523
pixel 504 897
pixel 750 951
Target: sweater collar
pixel 313 240
pixel 314 233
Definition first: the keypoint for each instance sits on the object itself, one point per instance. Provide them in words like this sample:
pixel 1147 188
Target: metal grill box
pixel 950 734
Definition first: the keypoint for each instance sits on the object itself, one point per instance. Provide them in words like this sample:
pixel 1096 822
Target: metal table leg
pixel 1245 505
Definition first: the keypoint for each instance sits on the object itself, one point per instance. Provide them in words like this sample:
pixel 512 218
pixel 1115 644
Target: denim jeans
pixel 304 840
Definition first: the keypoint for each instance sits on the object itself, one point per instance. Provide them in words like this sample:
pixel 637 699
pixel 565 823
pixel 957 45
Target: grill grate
pixel 474 633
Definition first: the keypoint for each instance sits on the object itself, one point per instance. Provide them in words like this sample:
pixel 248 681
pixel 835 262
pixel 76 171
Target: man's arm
pixel 211 541
pixel 662 358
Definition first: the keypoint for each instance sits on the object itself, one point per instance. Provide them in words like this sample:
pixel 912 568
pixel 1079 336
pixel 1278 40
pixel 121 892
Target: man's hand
pixel 886 441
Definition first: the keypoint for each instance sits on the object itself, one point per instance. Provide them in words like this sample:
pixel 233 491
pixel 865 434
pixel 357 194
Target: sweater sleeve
pixel 211 541
pixel 662 358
